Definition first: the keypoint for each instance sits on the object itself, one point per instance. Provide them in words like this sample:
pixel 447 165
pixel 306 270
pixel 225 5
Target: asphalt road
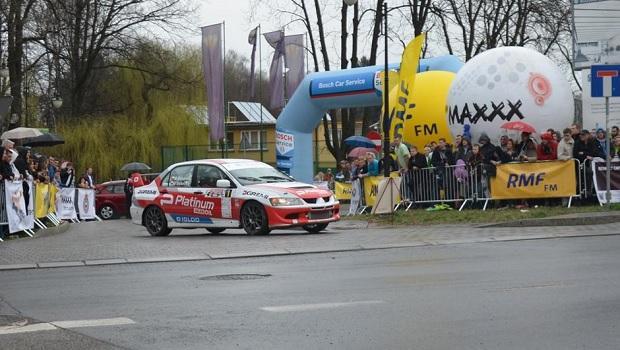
pixel 544 294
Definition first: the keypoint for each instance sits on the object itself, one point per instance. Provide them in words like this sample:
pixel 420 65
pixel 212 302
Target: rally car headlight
pixel 283 201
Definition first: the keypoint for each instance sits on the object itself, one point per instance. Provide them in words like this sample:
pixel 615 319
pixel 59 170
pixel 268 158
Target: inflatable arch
pixel 322 91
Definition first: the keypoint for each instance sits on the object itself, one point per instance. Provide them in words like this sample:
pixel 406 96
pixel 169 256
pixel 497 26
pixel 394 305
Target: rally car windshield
pixel 250 176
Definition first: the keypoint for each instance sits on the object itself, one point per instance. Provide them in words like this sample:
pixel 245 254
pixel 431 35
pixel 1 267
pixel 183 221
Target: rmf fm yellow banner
pixel 342 191
pixel 534 180
pixel 371 188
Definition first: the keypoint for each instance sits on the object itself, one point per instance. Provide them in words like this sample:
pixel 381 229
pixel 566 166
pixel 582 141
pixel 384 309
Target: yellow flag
pixel 53 190
pixel 42 200
pixel 400 104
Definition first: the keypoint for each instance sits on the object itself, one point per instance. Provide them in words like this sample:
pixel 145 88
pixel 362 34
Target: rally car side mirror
pixel 222 183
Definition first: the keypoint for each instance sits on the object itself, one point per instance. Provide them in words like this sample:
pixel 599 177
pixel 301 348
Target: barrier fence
pixel 463 185
pixel 45 201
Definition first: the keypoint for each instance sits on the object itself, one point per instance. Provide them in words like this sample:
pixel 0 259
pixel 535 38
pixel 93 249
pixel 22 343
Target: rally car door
pixel 206 183
pixel 177 196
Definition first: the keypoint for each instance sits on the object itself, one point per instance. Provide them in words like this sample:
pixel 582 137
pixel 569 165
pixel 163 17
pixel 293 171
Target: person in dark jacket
pixel 417 160
pixel 128 194
pixel 464 151
pixel 490 152
pixel 442 155
pixel 586 148
pixel 67 175
pixel 391 163
pixel 21 165
pixel 527 148
pixel 5 166
pixel 511 154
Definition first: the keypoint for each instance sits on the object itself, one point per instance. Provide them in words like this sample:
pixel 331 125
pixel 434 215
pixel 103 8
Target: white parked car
pixel 230 193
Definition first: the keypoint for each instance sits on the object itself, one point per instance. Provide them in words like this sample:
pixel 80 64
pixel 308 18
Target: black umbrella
pixel 45 140
pixel 135 166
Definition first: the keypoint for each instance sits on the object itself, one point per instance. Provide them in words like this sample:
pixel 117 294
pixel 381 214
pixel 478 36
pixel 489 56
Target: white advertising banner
pixel 356 197
pixel 65 205
pixel 16 207
pixel 86 203
pixel 599 172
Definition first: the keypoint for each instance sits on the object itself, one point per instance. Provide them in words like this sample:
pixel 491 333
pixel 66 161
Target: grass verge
pixel 475 216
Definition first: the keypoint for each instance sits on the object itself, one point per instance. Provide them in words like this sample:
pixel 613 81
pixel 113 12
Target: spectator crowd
pixel 21 164
pixel 571 143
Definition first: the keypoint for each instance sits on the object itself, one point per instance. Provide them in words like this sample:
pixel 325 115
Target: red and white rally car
pixel 230 193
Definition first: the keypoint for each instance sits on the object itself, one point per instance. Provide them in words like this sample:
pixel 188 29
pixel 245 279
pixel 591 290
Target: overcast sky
pixel 240 20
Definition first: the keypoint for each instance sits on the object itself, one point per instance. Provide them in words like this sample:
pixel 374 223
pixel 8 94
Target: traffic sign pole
pixel 603 86
pixel 607 152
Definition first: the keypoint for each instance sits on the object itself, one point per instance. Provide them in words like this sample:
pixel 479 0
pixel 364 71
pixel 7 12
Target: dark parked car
pixel 110 199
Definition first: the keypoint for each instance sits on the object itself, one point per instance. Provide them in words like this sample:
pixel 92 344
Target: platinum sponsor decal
pixel 194 203
pixel 166 199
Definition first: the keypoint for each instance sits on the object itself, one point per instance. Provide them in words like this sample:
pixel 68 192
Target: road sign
pixel 605 81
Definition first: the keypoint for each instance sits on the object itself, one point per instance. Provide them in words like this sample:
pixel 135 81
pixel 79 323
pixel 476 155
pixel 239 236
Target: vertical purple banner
pixel 294 58
pixel 276 71
pixel 252 41
pixel 213 70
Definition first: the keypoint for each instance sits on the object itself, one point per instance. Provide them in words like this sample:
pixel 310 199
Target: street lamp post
pixel 56 102
pixel 386 98
pixel 386 91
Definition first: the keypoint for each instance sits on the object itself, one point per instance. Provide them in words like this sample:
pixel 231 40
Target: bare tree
pixel 90 31
pixel 17 14
pixel 465 16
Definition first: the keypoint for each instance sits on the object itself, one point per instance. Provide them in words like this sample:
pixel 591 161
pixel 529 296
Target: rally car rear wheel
pixel 315 228
pixel 155 222
pixel 254 219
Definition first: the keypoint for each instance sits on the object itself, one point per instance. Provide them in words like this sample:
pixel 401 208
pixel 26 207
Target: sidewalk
pixel 119 241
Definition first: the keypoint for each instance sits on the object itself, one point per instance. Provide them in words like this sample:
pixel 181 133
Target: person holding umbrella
pixel 128 194
pixel 133 181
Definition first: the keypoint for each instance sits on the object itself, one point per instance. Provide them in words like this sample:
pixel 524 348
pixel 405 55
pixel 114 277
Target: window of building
pixel 588 44
pixel 251 140
pixel 218 145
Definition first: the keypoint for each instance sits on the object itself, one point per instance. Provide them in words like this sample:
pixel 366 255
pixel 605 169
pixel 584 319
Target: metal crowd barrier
pixel 585 177
pixel 54 220
pixel 441 184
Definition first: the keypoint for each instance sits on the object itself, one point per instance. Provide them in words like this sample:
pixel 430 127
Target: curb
pixel 559 221
pixel 62 228
pixel 286 252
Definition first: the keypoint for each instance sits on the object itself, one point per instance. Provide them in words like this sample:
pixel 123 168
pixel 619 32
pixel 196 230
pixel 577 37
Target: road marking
pixel 50 326
pixel 119 321
pixel 311 307
pixel 37 327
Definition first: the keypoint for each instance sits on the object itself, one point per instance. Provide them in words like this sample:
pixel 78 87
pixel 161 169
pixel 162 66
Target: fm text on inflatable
pixel 507 84
pixel 427 121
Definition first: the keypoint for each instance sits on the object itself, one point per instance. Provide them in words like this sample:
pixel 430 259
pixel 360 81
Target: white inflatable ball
pixel 509 84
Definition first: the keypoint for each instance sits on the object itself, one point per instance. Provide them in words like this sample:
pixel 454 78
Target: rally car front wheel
pixel 254 219
pixel 155 222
